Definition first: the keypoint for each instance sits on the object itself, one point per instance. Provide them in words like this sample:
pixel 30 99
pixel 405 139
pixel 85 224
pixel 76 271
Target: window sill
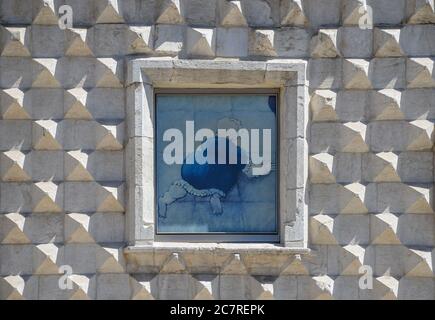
pixel 216 258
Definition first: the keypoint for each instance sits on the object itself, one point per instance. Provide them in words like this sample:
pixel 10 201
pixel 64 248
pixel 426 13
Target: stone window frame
pixel 144 75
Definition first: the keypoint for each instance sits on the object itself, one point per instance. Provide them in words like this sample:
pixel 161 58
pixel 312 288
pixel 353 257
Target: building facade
pixel 355 85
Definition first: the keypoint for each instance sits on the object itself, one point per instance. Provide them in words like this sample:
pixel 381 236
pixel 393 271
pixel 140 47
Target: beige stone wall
pixel 371 143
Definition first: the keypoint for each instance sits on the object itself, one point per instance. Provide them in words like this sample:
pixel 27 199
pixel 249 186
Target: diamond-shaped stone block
pixel 46 258
pixel 324 44
pixel 356 74
pixel 44 73
pixel 385 105
pixel 107 11
pixel 47 197
pixel 420 73
pixel 12 105
pixel 110 260
pixel 321 229
pixel 45 135
pixel 353 137
pixel 75 104
pixel 231 14
pixel 75 166
pixel 14 42
pixel 12 229
pixel 293 13
pixel 321 168
pixel 170 12
pixel 323 104
pixel 77 228
pixel 140 39
pixel 44 12
pixel 13 166
pixel 261 43
pixel 387 43
pixel 77 43
pixel 423 11
pixel 201 42
pixel 383 229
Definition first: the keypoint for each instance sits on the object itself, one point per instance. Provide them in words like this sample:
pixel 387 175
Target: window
pixel 216 165
pixel 188 217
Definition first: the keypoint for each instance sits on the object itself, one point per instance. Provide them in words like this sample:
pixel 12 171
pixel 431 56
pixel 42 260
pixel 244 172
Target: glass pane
pixel 216 163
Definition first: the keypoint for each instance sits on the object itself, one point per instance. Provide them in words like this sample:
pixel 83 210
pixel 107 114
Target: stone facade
pixel 370 134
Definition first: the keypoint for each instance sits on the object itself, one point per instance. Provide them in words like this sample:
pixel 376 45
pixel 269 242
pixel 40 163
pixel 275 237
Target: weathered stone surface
pixel 73 119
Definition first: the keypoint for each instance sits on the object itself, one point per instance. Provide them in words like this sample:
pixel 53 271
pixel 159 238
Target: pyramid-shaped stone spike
pixel 46 197
pixel 422 201
pixel 419 264
pixel 234 265
pixel 352 258
pixel 75 104
pixel 174 264
pixel 322 229
pixel 353 11
pixel 384 167
pixel 12 287
pixel 140 39
pixel 45 259
pixel 44 135
pixel 109 137
pixel 75 166
pixel 77 228
pixel 107 11
pixel 13 42
pixel 423 12
pixel 323 288
pixel 383 228
pixel 12 105
pixel 387 43
pixel 387 287
pixel 12 229
pixel 170 12
pixel 110 260
pixel 44 12
pixel 262 289
pixel 421 134
pixel 420 73
pixel 204 289
pixel 324 44
pixel 294 266
pixel 76 44
pixel 12 166
pixel 356 74
pixel 323 104
pixel 353 199
pixel 106 73
pixel 141 289
pixel 44 73
pixel 292 13
pixel 201 42
pixel 231 14
pixel 261 43
pixel 385 105
pixel 110 199
pixel 81 286
pixel 354 137
pixel 321 168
